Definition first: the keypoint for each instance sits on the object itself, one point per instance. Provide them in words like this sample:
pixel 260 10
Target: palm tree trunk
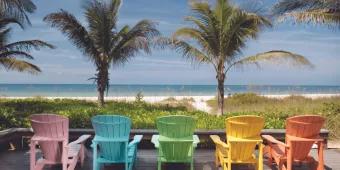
pixel 101 97
pixel 102 81
pixel 220 94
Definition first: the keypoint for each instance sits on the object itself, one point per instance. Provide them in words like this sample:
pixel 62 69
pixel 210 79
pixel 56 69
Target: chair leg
pixel 126 166
pixel 95 163
pixel 280 165
pixel 130 166
pixel 39 167
pixel 192 165
pixel 290 156
pixel 64 158
pixel 126 157
pixel 260 159
pixel 133 160
pixel 216 159
pixel 82 155
pixel 270 162
pixel 229 159
pixel 32 155
pixel 159 164
pixel 229 165
pixel 73 163
pixel 320 156
pixel 289 164
pixel 64 165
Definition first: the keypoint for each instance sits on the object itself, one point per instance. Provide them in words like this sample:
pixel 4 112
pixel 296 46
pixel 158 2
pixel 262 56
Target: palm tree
pixel 13 55
pixel 218 37
pixel 102 42
pixel 17 9
pixel 310 11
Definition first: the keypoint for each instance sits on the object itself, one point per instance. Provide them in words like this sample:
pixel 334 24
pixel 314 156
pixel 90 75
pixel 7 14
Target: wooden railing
pixel 18 138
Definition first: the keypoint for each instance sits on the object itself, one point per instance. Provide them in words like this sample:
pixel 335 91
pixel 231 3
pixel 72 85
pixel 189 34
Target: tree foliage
pixel 218 35
pixel 102 42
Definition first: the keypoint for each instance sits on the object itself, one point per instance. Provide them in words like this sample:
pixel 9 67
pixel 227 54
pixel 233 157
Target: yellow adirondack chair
pixel 243 134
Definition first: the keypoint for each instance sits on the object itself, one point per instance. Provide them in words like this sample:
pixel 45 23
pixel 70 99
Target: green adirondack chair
pixel 175 142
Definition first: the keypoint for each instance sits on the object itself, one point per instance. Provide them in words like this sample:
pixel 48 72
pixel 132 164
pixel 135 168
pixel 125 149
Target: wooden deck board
pixel 204 160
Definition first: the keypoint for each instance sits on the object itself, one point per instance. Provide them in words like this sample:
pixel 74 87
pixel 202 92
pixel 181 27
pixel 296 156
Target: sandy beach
pixel 199 101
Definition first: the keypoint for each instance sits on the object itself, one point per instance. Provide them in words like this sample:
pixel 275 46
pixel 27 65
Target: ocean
pixel 89 90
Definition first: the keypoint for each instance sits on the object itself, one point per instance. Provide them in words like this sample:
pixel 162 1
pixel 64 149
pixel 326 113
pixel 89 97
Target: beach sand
pixel 199 101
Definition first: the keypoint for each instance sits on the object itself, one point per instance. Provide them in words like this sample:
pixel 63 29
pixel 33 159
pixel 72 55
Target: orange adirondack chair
pixel 301 133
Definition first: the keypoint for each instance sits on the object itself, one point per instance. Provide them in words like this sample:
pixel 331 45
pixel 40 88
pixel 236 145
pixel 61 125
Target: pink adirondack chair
pixel 51 134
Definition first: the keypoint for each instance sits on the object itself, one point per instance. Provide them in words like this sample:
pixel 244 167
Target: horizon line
pixel 162 84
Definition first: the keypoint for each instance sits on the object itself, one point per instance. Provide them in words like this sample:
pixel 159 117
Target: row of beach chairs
pixel 176 142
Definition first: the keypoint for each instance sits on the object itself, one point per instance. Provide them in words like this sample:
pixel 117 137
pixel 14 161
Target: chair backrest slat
pixel 243 127
pixel 306 126
pixel 112 127
pixel 175 128
pixel 50 126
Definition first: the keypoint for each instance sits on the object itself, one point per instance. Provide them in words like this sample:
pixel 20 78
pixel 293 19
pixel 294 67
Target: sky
pixel 67 65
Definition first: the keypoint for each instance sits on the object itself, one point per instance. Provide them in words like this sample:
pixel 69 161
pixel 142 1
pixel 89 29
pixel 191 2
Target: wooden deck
pixel 204 160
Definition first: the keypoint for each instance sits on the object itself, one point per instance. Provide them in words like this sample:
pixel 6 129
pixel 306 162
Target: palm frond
pixel 27 45
pixel 220 32
pixel 76 33
pixel 102 41
pixel 315 17
pixel 138 38
pixel 190 52
pixel 274 57
pixel 5 21
pixel 286 6
pixel 193 34
pixel 8 54
pixel 12 63
pixel 4 36
pixel 102 19
pixel 240 27
pixel 311 11
pixel 17 9
pixel 205 17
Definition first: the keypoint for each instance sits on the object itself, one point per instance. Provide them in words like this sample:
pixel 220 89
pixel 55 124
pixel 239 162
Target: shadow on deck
pixel 146 160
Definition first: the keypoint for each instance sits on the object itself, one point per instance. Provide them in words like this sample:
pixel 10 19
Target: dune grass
pixel 16 112
pixel 249 103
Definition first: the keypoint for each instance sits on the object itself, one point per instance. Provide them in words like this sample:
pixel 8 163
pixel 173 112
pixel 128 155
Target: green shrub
pixel 15 113
pixel 332 112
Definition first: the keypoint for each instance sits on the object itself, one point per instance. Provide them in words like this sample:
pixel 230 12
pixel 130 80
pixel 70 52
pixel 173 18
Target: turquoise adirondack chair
pixel 176 141
pixel 111 142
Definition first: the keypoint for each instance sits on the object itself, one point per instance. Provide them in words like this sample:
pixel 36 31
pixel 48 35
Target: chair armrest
pixel 297 139
pixel 196 140
pixel 271 139
pixel 154 140
pixel 136 140
pixel 80 140
pixel 217 140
